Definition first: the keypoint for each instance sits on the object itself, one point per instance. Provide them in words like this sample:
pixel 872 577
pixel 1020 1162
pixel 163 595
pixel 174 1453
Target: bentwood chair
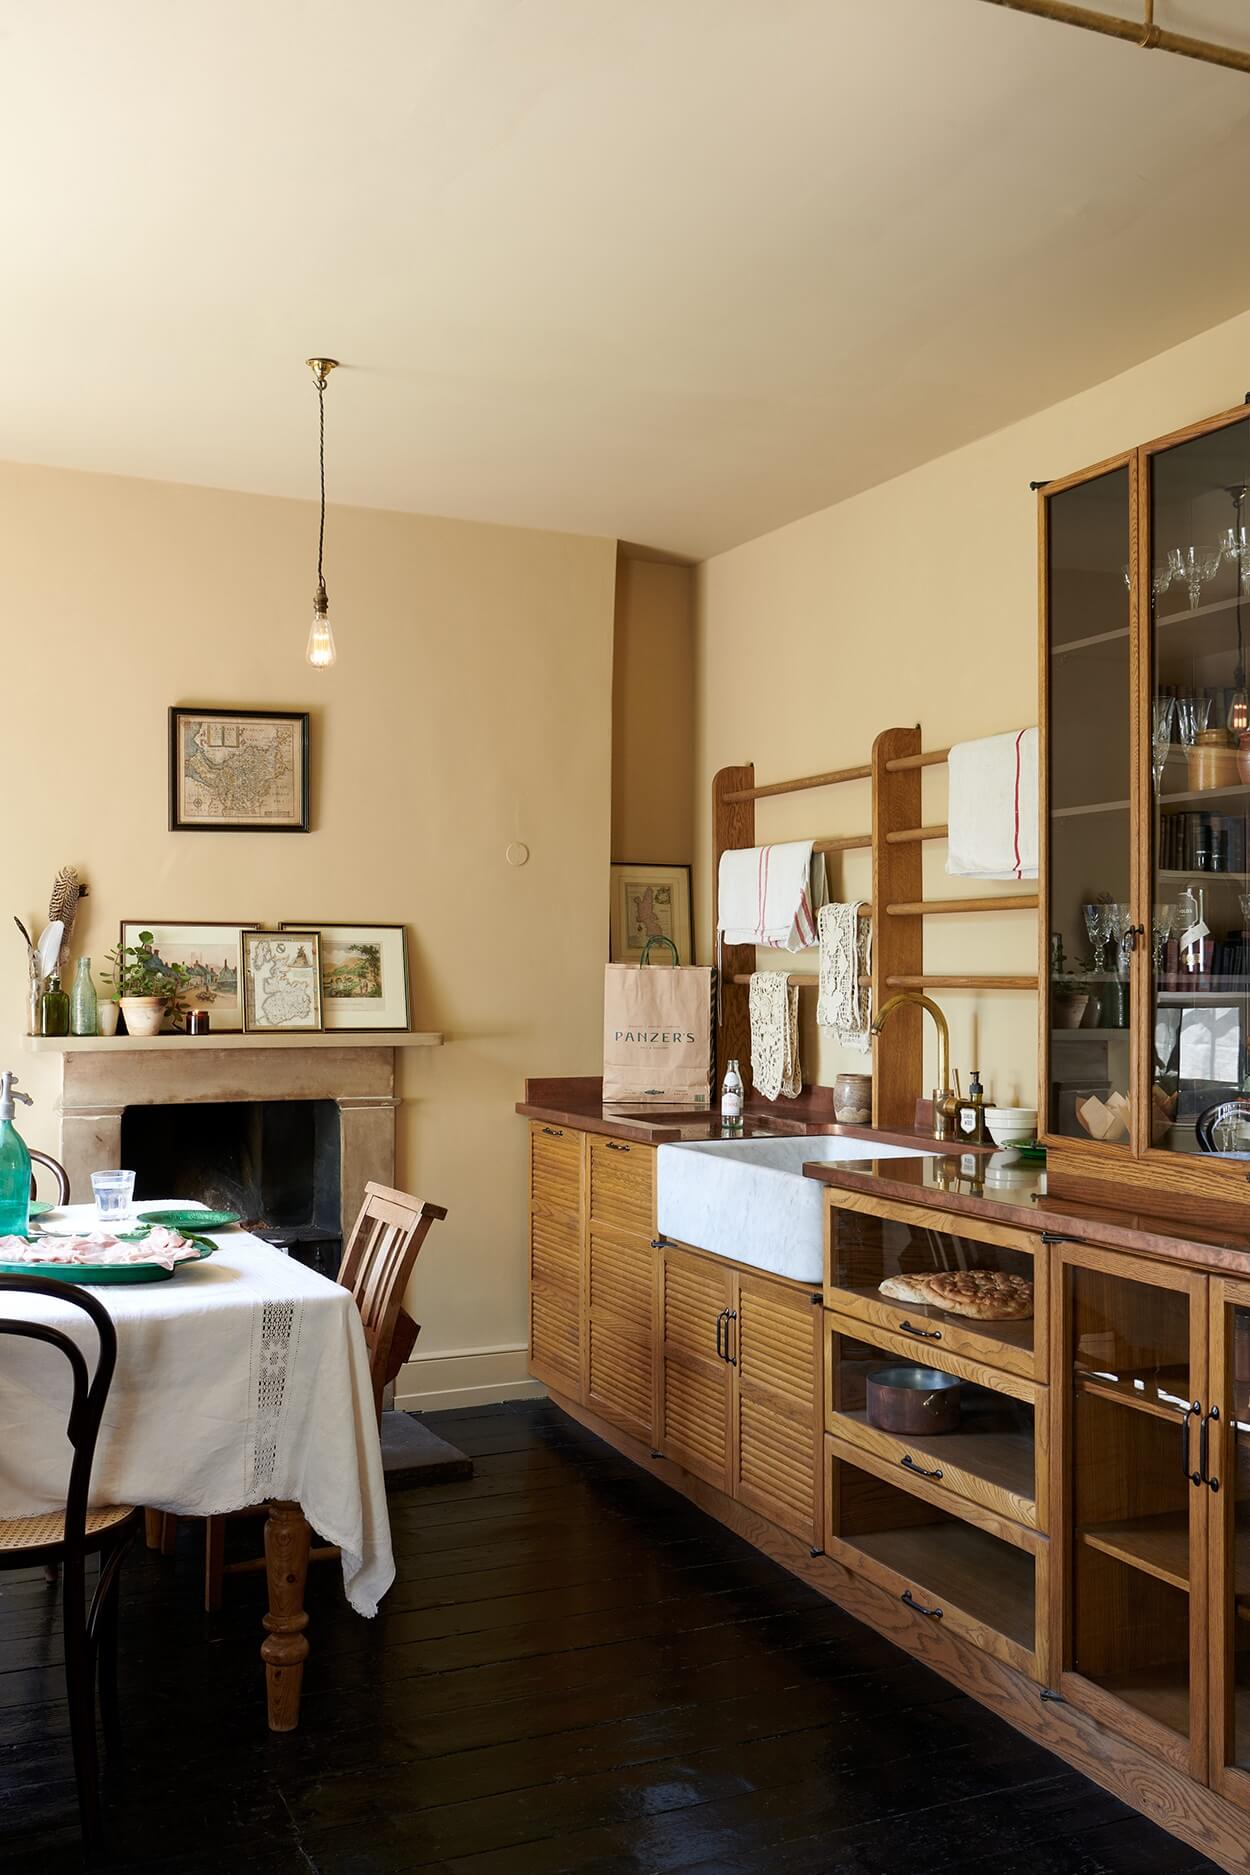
pixel 68 1537
pixel 59 1174
pixel 377 1265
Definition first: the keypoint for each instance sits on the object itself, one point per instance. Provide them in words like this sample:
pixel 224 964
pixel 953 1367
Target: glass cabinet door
pixel 1134 1646
pixel 1228 1473
pixel 1088 821
pixel 1199 736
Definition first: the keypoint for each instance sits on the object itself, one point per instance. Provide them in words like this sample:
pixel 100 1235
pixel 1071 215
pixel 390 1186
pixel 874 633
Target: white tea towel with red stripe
pixel 771 895
pixel 992 812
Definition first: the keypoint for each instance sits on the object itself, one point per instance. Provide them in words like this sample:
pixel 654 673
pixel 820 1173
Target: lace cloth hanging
pixel 774 1007
pixel 844 1006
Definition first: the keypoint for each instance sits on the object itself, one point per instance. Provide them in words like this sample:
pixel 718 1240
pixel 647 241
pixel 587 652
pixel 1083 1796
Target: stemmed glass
pixel 1164 710
pixel 1196 566
pixel 1192 715
pixel 1097 929
pixel 1162 929
pixel 1236 546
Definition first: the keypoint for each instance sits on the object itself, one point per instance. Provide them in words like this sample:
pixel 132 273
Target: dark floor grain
pixel 576 1674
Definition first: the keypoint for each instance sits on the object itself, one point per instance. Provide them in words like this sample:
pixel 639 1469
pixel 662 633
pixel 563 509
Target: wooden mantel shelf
pixel 167 1044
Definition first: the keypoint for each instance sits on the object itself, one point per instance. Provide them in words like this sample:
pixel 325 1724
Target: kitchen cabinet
pixel 1145 1033
pixel 555 1256
pixel 740 1385
pixel 619 1373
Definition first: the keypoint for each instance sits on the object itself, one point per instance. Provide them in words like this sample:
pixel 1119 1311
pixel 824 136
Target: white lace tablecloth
pixel 242 1378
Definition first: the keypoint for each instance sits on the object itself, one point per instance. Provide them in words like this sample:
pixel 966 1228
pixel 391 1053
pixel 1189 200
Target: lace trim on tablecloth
pixel 272 1358
pixel 774 1007
pixel 845 956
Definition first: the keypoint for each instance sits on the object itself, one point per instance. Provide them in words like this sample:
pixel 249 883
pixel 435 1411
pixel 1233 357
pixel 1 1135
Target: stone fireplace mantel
pixel 100 1079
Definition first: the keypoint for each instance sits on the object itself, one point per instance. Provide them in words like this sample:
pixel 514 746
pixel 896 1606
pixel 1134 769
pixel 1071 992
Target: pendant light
pixel 320 652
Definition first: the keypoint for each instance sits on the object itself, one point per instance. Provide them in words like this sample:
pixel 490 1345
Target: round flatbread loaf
pixel 982 1295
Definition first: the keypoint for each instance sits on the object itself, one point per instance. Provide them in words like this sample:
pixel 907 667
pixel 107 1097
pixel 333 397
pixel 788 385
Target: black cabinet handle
pixel 1203 1450
pixel 554 1132
pixel 731 1316
pixel 934 1614
pixel 909 1464
pixel 926 1334
pixel 722 1323
pixel 1054 1236
pixel 615 1145
pixel 1194 1477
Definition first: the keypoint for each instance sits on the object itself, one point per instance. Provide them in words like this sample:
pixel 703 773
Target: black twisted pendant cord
pixel 321 532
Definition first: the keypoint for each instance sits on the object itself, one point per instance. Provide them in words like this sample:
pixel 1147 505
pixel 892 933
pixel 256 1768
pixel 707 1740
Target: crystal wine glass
pixel 1193 714
pixel 1093 915
pixel 1198 565
pixel 1162 929
pixel 1164 710
pixel 1236 546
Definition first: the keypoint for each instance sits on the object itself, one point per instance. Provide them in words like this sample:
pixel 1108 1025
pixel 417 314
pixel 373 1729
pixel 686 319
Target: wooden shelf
pixel 1089 807
pixel 1183 999
pixel 1015 1334
pixel 1158 1546
pixel 1160 1693
pixel 1090 1035
pixel 1005 1459
pixel 957 1562
pixel 1237 790
pixel 1210 610
pixel 1087 644
pixel 1199 878
pixel 321 1038
pixel 1161 1393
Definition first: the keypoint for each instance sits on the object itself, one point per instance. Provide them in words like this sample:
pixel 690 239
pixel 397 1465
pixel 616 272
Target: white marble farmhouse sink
pixel 748 1198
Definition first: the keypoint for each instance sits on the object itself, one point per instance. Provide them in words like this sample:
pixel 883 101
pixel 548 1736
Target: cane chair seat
pixel 17 1533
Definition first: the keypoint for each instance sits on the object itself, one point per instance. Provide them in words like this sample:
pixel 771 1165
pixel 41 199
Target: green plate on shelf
pixel 1032 1154
pixel 97 1273
pixel 189 1220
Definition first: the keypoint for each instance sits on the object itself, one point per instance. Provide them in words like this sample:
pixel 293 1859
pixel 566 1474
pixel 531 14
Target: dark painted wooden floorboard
pixel 576 1674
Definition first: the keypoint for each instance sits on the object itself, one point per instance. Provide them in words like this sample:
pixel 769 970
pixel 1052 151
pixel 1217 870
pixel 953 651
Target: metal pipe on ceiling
pixel 1144 32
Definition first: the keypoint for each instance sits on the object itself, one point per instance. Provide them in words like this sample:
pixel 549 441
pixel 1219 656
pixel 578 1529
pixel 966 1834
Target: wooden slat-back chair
pixel 377 1266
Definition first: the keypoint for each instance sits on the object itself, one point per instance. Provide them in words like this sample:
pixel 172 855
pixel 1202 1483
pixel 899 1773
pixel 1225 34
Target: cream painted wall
pixel 652 711
pixel 917 602
pixel 471 706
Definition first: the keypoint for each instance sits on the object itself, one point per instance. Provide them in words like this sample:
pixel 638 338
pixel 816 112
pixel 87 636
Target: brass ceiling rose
pixel 321 369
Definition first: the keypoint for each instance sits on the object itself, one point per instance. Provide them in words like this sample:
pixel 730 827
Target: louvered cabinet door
pixel 777 1403
pixel 696 1379
pixel 620 1332
pixel 555 1257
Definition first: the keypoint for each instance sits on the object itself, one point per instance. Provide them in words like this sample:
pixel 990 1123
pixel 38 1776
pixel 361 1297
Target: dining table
pixel 241 1380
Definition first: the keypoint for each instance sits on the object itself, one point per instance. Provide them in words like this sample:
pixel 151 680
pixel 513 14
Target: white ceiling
pixel 673 270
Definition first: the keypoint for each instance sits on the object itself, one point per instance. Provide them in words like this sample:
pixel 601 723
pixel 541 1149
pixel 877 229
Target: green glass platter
pixel 189 1220
pixel 96 1273
pixel 39 1207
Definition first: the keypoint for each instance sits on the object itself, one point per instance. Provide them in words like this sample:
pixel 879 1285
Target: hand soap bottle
pixel 14 1164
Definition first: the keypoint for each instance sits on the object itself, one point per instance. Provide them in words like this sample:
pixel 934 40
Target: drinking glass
pixel 1095 931
pixel 114 1194
pixel 1193 715
pixel 1236 546
pixel 1162 928
pixel 1198 565
pixel 1164 711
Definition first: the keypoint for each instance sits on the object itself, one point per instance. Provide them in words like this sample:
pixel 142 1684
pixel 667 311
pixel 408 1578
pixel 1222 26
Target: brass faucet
pixel 943 1096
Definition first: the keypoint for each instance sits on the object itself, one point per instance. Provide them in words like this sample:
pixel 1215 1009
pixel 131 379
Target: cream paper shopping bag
pixel 658 1029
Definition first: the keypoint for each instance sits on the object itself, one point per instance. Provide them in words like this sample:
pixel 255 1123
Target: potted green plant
pixel 146 987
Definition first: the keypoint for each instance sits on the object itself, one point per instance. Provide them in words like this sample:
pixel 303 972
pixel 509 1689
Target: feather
pixel 63 904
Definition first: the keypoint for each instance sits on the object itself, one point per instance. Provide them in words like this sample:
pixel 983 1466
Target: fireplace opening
pixel 275 1162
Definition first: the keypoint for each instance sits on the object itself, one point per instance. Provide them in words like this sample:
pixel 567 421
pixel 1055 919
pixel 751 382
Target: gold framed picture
pixel 238 771
pixel 650 902
pixel 281 981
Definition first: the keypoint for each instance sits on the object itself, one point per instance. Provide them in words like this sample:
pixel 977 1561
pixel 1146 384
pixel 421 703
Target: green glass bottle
pixel 14 1164
pixel 54 1009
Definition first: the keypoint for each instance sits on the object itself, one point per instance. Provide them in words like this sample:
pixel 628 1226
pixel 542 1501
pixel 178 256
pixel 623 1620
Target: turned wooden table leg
pixel 285 1648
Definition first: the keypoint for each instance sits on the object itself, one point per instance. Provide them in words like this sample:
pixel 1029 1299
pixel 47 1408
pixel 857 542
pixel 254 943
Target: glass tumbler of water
pixel 114 1193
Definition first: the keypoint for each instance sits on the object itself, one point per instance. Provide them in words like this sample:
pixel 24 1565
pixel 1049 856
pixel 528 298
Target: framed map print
pixel 364 974
pixel 281 981
pixel 210 954
pixel 238 771
pixel 650 901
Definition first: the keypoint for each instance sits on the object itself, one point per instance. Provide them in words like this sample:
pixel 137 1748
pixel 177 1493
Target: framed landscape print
pixel 281 981
pixel 211 953
pixel 650 901
pixel 238 771
pixel 364 974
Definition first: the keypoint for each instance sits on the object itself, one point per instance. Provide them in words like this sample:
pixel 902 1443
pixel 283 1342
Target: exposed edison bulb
pixel 320 651
pixel 1238 718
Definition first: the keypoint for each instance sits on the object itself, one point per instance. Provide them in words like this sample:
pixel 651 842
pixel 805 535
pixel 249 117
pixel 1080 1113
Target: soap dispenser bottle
pixel 970 1113
pixel 14 1164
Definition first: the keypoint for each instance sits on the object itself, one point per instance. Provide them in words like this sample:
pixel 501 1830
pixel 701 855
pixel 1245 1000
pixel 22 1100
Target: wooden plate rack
pixel 896 841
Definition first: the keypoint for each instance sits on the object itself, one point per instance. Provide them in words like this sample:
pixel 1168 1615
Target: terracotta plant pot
pixel 144 1014
pixel 106 1018
pixel 1069 1008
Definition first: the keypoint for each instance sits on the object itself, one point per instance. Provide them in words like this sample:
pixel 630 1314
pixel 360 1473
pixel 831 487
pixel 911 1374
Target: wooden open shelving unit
pixel 897 905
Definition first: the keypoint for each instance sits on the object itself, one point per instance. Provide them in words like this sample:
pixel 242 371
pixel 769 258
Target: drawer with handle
pixel 621 1173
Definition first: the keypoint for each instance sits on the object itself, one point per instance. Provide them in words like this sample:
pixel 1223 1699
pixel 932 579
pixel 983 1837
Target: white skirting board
pixel 466 1377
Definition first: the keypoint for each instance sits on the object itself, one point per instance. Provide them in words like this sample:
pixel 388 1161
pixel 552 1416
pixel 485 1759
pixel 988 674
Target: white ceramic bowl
pixel 1011 1126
